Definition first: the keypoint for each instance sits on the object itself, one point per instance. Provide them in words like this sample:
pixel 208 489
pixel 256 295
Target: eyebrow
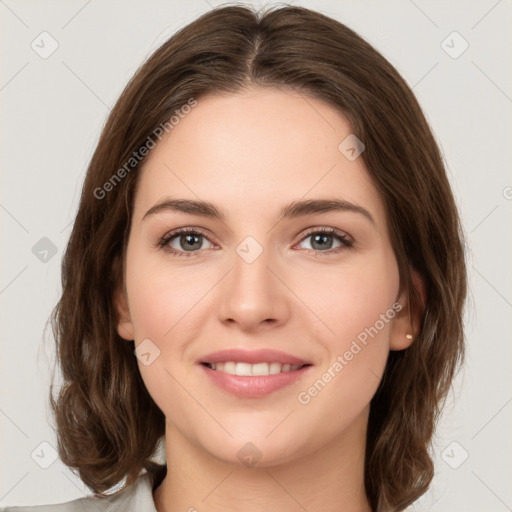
pixel 291 211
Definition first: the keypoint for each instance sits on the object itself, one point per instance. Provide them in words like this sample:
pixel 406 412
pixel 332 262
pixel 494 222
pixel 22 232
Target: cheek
pixel 346 381
pixel 161 309
pixel 353 299
pixel 357 313
pixel 164 307
pixel 161 298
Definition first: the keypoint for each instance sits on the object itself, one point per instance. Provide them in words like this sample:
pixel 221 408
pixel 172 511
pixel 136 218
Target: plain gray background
pixel 52 112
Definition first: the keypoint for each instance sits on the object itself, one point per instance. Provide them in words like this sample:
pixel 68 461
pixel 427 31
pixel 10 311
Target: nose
pixel 253 295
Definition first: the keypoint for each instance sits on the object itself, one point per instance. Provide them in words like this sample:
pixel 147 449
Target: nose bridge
pixel 252 294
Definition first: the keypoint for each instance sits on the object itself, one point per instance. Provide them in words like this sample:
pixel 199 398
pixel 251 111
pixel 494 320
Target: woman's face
pixel 256 276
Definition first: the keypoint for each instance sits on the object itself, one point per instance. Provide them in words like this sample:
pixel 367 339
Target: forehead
pixel 257 149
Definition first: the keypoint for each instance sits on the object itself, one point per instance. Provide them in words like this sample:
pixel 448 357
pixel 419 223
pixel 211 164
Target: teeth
pixel 274 368
pixel 243 369
pixel 260 369
pixel 247 369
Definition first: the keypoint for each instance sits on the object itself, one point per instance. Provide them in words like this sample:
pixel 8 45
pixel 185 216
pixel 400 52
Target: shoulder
pixel 137 497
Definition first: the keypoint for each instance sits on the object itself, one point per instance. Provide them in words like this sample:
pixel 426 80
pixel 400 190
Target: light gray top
pixel 137 497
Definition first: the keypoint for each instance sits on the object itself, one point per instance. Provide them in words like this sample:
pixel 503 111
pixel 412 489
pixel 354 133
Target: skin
pixel 250 154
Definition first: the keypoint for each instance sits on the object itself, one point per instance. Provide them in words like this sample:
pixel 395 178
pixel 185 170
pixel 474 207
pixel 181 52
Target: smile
pixel 247 369
pixel 253 373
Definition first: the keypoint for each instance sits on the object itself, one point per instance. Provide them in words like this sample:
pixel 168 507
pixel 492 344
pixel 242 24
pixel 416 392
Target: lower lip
pixel 255 386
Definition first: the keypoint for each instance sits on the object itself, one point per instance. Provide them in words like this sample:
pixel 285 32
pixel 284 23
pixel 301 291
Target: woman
pixel 267 270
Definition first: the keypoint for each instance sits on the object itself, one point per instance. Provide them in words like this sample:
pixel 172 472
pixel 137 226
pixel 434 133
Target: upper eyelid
pixel 187 229
pixel 325 229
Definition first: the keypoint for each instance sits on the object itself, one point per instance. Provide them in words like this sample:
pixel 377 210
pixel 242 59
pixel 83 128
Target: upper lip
pixel 252 357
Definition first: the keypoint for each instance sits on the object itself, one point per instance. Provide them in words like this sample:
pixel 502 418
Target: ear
pixel 407 322
pixel 120 300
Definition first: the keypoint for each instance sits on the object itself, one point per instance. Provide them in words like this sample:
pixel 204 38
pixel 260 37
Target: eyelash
pixel 346 241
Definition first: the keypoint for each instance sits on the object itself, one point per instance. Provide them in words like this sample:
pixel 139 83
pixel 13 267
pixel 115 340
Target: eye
pixel 324 240
pixel 189 241
pixel 184 242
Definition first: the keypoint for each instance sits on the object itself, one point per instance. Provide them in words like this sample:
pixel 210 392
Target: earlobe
pixel 124 323
pixel 120 301
pixel 406 324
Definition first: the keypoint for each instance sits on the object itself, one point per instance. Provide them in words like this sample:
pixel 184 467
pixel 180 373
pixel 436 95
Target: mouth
pixel 258 369
pixel 253 373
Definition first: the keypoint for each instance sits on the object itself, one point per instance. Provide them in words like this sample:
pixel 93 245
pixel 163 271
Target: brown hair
pixel 108 425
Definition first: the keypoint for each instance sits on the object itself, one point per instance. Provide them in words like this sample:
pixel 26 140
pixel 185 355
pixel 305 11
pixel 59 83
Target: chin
pixel 256 454
pixel 255 447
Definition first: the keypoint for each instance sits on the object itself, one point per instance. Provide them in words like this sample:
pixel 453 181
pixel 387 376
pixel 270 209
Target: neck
pixel 330 479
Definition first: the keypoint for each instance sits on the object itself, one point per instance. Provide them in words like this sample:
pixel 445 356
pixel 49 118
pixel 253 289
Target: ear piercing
pixel 408 336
